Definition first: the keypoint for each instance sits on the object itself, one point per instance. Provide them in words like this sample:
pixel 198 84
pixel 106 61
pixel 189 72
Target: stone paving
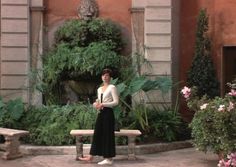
pixel 178 158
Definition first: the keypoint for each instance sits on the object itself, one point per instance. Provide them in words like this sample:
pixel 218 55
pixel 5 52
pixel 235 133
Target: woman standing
pixel 104 136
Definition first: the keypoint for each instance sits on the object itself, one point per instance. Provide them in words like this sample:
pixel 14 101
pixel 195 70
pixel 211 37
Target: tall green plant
pixel 202 72
pixel 136 85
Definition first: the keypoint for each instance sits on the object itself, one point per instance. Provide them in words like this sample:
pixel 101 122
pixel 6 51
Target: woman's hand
pixel 98 105
pixel 95 104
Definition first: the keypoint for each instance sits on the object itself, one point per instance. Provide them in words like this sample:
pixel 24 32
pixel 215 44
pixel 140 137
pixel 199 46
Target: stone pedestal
pixel 12 145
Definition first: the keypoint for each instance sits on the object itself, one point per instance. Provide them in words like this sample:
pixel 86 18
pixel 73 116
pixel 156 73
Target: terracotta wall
pixel 60 10
pixel 222 29
pixel 188 19
pixel 222 26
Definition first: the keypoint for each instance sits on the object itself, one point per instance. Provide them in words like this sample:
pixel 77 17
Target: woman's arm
pixel 95 104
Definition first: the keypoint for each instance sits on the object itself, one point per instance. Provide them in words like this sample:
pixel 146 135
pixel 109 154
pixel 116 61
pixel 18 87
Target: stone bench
pixel 12 142
pixel 131 134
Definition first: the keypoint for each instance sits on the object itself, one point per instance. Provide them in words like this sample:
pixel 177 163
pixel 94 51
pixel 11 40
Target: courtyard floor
pixel 178 158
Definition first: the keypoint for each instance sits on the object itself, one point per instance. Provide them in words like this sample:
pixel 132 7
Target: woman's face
pixel 106 78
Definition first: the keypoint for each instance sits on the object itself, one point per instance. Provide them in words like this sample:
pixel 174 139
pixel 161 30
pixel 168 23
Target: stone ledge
pixel 121 150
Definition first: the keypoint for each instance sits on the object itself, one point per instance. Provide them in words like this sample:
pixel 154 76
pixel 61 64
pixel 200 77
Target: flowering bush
pixel 214 122
pixel 229 162
pixel 193 101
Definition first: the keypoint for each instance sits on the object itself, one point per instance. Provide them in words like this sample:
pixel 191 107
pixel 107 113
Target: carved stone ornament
pixel 88 9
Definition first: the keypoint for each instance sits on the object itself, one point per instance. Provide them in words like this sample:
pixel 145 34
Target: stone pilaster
pixel 36 49
pixel 160 44
pixel 14 48
pixel 21 47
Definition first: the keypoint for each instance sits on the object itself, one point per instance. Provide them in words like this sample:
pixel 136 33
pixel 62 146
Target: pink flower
pixel 232 92
pixel 186 92
pixel 221 163
pixel 232 157
pixel 231 106
pixel 229 162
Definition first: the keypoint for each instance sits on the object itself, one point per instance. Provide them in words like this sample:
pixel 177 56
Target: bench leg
pixel 79 147
pixel 131 148
pixel 12 145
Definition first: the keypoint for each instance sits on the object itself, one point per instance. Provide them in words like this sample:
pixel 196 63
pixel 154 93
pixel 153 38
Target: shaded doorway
pixel 229 66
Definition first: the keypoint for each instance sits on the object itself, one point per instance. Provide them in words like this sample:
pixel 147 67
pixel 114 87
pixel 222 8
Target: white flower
pixel 221 108
pixel 202 107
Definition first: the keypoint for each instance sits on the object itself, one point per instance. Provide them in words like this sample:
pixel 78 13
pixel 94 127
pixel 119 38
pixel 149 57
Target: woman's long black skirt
pixel 103 143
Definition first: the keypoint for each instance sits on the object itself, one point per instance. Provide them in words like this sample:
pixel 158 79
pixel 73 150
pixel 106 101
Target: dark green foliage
pixel 214 122
pixel 142 83
pixel 202 72
pixel 213 130
pixel 11 113
pixel 51 125
pixel 165 125
pixel 155 123
pixel 72 32
pixel 81 51
pixel 162 125
pixel 80 33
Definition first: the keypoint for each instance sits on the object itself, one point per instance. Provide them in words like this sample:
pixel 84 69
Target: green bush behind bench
pixel 51 125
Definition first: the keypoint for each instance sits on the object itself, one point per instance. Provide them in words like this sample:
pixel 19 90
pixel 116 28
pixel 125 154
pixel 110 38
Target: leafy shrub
pixel 213 125
pixel 51 125
pixel 10 113
pixel 160 125
pixel 80 33
pixel 166 125
pixel 78 63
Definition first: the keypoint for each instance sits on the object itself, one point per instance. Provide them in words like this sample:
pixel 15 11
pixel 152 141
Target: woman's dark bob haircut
pixel 107 71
